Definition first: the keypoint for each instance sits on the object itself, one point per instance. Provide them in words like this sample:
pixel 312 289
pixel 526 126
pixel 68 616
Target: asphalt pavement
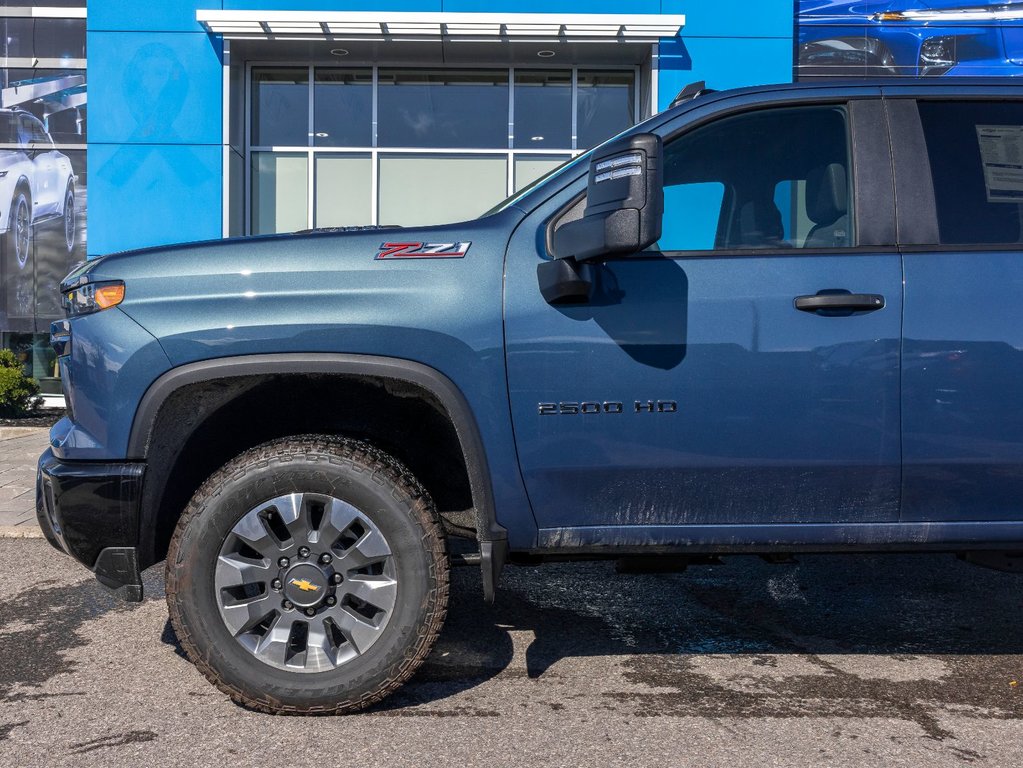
pixel 836 661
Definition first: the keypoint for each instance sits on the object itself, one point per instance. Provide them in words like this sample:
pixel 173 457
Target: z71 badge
pixel 423 250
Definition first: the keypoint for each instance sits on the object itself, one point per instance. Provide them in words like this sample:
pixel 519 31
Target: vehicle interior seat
pixel 760 225
pixel 827 206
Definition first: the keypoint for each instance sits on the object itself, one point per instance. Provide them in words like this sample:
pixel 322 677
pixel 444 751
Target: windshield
pixel 585 156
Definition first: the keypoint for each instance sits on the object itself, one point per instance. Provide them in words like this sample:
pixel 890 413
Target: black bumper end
pixel 90 510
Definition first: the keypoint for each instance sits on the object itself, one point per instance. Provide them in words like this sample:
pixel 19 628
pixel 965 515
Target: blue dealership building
pixel 212 119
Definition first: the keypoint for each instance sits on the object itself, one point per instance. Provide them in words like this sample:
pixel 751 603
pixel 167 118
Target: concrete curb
pixel 20 532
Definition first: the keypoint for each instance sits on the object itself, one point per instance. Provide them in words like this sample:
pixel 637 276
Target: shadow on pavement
pixel 842 636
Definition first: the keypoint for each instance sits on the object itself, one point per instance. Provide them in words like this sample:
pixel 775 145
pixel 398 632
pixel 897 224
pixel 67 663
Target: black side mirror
pixel 624 209
pixel 624 202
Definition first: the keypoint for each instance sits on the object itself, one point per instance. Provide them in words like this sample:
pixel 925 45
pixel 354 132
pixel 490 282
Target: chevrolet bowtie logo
pixel 305 585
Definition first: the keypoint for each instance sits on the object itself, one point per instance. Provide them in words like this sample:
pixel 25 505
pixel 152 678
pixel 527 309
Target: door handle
pixel 832 301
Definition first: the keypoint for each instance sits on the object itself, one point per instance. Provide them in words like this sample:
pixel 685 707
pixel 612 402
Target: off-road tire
pixel 382 489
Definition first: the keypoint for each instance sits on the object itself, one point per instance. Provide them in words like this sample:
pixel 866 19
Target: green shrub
pixel 19 394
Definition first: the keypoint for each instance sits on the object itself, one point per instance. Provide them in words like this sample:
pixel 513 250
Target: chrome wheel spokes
pixel 305 582
pixel 22 232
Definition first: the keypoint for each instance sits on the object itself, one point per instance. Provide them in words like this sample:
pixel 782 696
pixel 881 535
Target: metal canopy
pixel 479 27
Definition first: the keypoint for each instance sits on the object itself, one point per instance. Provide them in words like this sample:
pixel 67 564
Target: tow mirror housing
pixel 624 208
pixel 624 202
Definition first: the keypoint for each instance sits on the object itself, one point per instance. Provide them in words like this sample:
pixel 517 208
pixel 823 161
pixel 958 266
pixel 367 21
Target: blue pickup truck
pixel 771 320
pixel 925 38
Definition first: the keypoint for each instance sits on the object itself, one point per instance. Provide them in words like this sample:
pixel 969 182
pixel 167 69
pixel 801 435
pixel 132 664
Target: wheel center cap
pixel 305 585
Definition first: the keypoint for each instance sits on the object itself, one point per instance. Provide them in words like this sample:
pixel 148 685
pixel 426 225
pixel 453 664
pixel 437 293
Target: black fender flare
pixel 396 369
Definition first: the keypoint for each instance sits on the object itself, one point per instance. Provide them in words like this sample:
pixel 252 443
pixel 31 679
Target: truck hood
pixel 299 253
pixel 329 291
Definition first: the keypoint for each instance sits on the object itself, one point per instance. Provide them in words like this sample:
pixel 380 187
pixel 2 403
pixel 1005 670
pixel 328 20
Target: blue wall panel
pixel 141 195
pixel 155 127
pixel 154 88
pixel 753 18
pixel 162 15
pixel 763 61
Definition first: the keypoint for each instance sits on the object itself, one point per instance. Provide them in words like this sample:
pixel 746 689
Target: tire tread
pixel 359 456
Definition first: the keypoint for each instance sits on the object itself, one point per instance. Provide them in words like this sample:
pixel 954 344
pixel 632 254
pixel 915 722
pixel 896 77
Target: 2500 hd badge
pixel 612 407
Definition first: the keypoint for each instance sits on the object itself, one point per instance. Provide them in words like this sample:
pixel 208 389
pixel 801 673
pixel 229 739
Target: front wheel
pixel 308 575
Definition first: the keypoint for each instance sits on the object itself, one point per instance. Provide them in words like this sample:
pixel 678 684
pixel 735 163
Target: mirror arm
pixel 565 281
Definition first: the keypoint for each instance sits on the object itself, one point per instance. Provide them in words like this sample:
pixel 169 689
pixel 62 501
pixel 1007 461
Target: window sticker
pixel 1001 151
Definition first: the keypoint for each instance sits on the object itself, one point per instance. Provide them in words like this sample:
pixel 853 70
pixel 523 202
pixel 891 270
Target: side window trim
pixel 916 212
pixel 874 208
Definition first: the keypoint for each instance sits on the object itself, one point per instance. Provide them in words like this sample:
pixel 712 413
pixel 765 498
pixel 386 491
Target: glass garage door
pixel 331 146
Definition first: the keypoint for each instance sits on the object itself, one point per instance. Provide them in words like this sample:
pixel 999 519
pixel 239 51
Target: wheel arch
pixel 382 369
pixel 24 183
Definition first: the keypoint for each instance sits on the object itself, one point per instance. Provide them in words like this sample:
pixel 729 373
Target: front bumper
pixel 90 510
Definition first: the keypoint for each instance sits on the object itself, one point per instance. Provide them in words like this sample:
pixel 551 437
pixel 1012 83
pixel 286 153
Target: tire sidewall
pixel 69 211
pixel 20 198
pixel 222 506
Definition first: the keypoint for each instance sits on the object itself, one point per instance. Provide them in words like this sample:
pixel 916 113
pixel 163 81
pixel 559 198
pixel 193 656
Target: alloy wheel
pixel 305 582
pixel 70 219
pixel 22 231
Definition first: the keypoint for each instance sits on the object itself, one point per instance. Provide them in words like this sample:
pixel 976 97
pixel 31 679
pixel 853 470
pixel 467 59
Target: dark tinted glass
pixel 442 108
pixel 34 130
pixel 776 179
pixel 8 128
pixel 44 38
pixel 543 109
pixel 607 105
pixel 280 107
pixel 976 154
pixel 343 108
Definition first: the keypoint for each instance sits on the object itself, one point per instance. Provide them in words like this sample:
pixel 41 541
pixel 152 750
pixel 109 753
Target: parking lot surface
pixel 837 661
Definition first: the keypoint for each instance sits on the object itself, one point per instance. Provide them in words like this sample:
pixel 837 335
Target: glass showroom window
pixel 442 108
pixel 343 108
pixel 331 146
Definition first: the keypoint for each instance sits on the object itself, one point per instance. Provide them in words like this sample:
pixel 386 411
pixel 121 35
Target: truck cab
pixel 771 320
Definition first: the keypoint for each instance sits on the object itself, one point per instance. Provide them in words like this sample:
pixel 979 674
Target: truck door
pixel 745 372
pixel 960 163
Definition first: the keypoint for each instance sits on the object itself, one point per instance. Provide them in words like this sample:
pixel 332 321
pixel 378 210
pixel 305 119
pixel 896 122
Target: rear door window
pixel 975 149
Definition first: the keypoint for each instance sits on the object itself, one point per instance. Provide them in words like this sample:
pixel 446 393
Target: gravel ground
pixel 836 661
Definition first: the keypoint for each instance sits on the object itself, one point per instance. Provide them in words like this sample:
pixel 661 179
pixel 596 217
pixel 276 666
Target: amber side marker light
pixel 107 296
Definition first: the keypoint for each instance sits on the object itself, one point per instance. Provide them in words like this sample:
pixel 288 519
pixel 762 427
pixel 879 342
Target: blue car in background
pixel 916 38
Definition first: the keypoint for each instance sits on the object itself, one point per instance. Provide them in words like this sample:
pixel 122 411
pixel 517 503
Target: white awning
pixel 377 25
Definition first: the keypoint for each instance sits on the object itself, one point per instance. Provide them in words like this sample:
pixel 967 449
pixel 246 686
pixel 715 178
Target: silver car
pixel 37 183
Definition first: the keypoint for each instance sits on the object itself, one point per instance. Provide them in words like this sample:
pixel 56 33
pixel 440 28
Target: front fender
pixel 430 379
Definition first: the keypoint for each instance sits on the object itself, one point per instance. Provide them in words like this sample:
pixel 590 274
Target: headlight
pixel 938 55
pixel 93 297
